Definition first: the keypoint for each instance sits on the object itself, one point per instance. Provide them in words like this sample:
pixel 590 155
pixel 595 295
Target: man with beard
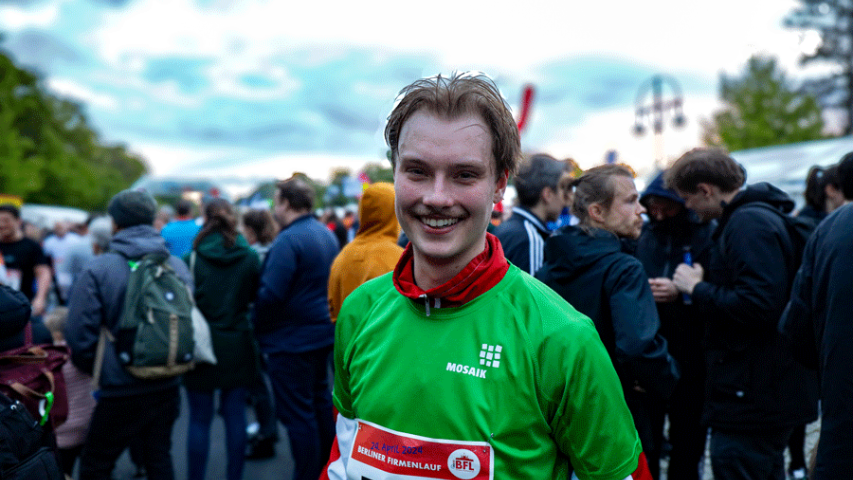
pixel 587 266
pixel 671 234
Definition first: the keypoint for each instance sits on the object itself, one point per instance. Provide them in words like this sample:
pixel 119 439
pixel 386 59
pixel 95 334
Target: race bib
pixel 382 454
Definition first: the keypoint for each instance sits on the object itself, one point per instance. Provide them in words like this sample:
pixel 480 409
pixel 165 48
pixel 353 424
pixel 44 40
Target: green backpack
pixel 155 330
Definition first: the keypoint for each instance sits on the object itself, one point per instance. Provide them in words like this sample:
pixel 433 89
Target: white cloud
pixel 228 80
pixel 14 18
pixel 612 129
pixel 82 93
pixel 316 165
pixel 173 158
pixel 671 34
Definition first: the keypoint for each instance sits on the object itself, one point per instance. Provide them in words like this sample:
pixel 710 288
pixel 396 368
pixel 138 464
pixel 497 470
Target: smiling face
pixel 445 188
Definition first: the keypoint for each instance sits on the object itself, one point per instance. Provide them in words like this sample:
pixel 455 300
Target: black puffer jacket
pixel 601 281
pixel 753 381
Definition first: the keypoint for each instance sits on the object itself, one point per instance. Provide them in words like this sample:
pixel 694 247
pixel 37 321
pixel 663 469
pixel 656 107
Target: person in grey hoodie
pixel 128 407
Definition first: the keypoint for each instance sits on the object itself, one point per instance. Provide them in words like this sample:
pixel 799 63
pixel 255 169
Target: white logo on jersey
pixel 463 464
pixel 490 355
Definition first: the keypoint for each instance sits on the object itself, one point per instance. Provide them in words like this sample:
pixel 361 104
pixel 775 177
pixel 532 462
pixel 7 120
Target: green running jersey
pixel 514 384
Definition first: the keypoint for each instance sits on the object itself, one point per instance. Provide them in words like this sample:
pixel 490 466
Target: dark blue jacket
pixel 292 307
pixel 818 322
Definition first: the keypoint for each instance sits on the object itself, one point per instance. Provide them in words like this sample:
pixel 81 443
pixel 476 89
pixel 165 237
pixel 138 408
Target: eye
pixel 467 175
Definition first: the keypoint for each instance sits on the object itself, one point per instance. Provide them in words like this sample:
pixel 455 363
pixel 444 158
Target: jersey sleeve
pixel 344 327
pixel 588 415
pixel 345 423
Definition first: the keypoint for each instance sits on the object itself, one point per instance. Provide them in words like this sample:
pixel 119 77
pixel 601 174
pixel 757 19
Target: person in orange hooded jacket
pixel 373 251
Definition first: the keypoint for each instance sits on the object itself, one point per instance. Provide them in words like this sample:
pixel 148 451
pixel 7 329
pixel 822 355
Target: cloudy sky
pixel 254 88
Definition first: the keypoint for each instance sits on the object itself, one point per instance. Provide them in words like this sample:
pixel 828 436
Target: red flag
pixel 526 101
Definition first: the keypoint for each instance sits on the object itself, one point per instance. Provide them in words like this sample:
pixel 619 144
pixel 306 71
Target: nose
pixel 439 194
pixel 640 209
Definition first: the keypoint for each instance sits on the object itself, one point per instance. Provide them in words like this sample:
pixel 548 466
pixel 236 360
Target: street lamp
pixel 658 109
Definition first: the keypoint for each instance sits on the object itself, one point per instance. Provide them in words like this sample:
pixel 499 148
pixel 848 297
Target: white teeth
pixel 435 223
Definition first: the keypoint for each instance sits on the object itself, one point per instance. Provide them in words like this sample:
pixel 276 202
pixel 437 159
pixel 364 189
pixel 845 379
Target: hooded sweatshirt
pixel 595 276
pixel 97 298
pixel 661 248
pixel 226 282
pixel 373 251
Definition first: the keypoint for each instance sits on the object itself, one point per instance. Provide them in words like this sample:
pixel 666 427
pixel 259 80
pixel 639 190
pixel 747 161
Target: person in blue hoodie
pixel 587 265
pixel 672 234
pixel 294 326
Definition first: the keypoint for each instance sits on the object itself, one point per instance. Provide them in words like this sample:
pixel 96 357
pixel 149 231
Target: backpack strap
pixel 106 336
pixel 28 334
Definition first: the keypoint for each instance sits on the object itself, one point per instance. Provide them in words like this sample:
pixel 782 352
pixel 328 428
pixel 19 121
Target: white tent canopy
pixel 786 166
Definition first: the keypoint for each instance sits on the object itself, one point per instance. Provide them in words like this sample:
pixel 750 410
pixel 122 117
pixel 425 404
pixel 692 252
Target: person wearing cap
pixel 128 408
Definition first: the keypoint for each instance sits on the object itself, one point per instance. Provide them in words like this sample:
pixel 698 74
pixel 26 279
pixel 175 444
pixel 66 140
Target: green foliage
pixel 376 172
pixel 49 153
pixel 832 20
pixel 762 110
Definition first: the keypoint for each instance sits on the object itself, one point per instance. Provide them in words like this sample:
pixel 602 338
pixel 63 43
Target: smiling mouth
pixel 439 222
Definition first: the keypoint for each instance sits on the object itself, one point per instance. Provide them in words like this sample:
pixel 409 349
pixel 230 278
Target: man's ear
pixel 547 194
pixel 500 186
pixel 704 189
pixel 596 212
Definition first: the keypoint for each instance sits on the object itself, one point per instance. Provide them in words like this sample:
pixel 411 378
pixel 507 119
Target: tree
pixel 49 152
pixel 832 20
pixel 377 172
pixel 762 109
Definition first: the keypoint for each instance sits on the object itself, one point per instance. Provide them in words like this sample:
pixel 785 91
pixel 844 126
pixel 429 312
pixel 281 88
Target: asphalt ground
pixel 279 467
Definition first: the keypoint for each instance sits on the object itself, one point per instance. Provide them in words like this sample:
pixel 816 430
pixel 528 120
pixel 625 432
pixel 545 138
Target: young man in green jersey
pixel 457 364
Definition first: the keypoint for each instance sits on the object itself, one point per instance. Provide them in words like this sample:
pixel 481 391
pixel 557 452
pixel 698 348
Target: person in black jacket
pixel 817 321
pixel 586 265
pixel 671 233
pixel 540 201
pixel 755 392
